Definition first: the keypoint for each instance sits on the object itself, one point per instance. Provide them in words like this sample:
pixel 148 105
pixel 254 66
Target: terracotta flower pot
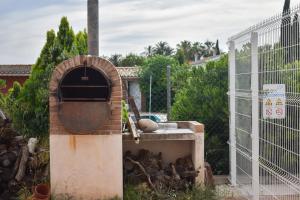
pixel 41 192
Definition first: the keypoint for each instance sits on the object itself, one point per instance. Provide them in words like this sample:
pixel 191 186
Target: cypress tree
pixel 29 111
pixel 81 43
pixel 286 30
pixel 218 52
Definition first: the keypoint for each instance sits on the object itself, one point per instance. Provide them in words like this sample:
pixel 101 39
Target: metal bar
pixel 255 115
pixel 84 99
pixel 232 113
pixel 150 94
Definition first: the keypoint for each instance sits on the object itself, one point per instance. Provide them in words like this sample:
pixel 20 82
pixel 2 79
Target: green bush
pixel 156 67
pixel 132 60
pixel 2 97
pixel 202 96
pixel 142 192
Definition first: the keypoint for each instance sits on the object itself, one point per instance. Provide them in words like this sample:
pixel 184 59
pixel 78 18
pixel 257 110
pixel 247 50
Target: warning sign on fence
pixel 274 101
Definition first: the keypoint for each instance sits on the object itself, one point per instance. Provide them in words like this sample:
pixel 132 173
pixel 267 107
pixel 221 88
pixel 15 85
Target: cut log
pixel 23 162
pixel 144 172
pixel 174 172
pixel 190 174
pixel 16 165
pixel 46 171
pixel 160 178
pixel 209 179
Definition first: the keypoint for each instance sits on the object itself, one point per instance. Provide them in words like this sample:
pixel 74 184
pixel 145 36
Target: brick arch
pixel 103 65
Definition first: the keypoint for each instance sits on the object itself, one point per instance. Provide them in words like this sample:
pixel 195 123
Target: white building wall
pixel 134 90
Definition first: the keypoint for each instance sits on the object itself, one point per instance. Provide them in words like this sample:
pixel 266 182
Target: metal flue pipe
pixel 93 27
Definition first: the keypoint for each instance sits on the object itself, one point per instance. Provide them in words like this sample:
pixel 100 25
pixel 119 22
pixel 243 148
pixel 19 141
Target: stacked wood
pixel 18 167
pixel 10 151
pixel 149 167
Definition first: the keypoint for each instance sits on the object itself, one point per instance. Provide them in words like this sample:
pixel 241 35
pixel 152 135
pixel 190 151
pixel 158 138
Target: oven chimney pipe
pixel 93 27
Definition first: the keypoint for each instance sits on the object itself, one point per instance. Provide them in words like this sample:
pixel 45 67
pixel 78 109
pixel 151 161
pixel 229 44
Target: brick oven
pixel 85 129
pixel 86 140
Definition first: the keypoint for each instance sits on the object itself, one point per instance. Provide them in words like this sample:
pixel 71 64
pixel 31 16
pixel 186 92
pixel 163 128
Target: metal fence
pixel 265 108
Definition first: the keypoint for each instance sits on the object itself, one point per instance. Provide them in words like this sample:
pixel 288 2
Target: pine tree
pixel 81 43
pixel 65 34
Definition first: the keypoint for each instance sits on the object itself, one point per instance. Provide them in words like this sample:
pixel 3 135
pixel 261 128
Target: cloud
pixel 127 25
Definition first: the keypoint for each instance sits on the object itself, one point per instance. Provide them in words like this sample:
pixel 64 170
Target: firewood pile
pixel 150 168
pixel 19 168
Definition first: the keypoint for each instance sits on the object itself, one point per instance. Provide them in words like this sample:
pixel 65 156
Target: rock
pixel 147 125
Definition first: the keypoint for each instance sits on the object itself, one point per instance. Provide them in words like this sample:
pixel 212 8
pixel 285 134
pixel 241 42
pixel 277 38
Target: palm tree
pixel 149 51
pixel 186 47
pixel 115 59
pixel 163 48
pixel 209 48
pixel 197 50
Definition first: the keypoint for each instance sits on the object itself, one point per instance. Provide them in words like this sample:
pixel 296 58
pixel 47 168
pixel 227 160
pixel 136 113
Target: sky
pixel 127 25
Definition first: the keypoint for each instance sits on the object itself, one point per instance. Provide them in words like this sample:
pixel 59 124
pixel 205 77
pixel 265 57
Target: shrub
pixel 28 105
pixel 202 97
pixel 142 192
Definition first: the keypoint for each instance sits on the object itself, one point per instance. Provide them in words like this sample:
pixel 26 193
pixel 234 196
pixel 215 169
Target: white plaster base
pixel 86 166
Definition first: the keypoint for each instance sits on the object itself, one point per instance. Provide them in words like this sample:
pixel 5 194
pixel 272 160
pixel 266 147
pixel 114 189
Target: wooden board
pixel 133 130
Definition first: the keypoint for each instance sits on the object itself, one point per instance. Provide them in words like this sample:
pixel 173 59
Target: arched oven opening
pixel 85 84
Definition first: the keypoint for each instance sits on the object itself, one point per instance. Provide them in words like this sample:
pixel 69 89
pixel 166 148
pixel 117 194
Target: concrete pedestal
pixel 86 166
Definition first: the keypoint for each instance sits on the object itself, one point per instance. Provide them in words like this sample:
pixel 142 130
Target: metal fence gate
pixel 265 108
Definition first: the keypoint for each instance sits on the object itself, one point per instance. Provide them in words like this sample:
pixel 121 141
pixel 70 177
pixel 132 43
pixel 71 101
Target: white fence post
pixel 232 113
pixel 255 115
